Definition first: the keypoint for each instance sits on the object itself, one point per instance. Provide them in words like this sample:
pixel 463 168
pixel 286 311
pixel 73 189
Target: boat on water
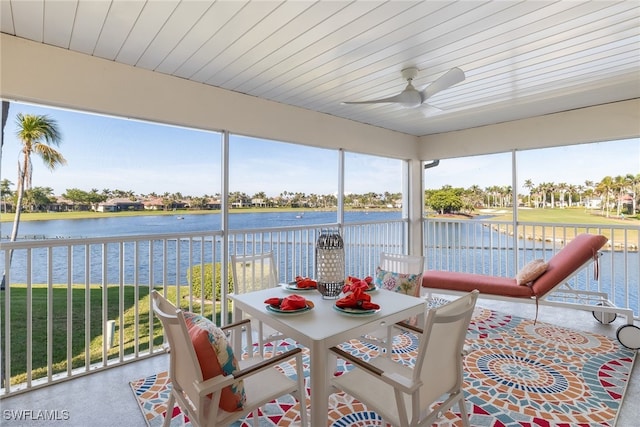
pixel 300 215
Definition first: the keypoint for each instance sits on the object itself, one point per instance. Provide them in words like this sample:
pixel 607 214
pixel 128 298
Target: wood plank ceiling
pixel 521 58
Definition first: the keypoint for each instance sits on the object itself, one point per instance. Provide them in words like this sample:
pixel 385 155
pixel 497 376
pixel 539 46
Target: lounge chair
pixel 551 288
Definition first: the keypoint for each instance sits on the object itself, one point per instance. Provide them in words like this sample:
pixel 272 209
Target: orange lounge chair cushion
pixel 564 263
pixel 568 260
pixel 466 282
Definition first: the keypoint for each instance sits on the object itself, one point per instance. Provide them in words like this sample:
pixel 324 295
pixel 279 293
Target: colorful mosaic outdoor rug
pixel 517 373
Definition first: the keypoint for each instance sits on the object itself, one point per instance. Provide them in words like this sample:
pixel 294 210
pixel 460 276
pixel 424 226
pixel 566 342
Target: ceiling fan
pixel 410 97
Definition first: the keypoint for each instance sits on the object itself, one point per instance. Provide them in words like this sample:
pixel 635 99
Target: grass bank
pixel 578 216
pixel 56 322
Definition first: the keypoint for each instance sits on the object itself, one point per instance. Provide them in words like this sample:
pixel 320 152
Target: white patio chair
pixel 405 272
pixel 401 394
pixel 253 273
pixel 199 399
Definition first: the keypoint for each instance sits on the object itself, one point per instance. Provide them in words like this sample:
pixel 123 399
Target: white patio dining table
pixel 323 327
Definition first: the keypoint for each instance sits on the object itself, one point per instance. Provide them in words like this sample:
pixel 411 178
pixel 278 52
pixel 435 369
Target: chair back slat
pixel 253 272
pixel 402 264
pixel 184 368
pixel 439 363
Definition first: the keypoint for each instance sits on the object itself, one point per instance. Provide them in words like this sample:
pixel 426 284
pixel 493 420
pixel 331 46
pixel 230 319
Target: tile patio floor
pixel 104 399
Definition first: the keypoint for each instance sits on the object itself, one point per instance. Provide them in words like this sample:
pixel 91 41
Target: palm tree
pixel 563 187
pixel 620 185
pixel 5 113
pixel 634 182
pixel 37 134
pixel 528 184
pixel 572 190
pixel 5 191
pixel 604 188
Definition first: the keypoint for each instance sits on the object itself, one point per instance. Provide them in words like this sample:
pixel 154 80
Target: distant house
pixel 119 205
pixel 64 205
pixel 107 207
pixel 180 204
pixel 153 204
pixel 258 203
pixel 626 203
pixel 6 206
pixel 593 203
pixel 214 204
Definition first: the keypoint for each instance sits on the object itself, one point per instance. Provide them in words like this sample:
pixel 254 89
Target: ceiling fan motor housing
pixel 411 98
pixel 410 73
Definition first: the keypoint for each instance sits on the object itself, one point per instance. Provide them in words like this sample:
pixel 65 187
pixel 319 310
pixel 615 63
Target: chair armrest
pixel 356 361
pixel 237 329
pixel 214 384
pixel 235 324
pixel 220 381
pixel 266 363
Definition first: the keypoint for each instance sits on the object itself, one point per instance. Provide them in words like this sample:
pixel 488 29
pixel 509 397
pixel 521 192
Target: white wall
pixel 619 120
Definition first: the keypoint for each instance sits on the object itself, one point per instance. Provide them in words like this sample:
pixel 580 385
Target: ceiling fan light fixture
pixel 410 98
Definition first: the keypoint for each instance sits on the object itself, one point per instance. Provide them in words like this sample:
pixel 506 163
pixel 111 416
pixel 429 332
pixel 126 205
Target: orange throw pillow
pixel 216 357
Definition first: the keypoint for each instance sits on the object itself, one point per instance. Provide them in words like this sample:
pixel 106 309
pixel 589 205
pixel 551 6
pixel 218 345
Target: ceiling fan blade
pixel 408 98
pixel 448 79
pixel 429 110
pixel 396 98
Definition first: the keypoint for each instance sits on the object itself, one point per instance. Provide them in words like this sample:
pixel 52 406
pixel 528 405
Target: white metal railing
pixel 105 282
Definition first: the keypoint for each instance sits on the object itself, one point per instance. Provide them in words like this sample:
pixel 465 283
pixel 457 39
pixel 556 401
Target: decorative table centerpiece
pixel 330 263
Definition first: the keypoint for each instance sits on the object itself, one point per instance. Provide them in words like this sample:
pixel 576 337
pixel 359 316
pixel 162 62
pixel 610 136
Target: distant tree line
pixel 38 199
pixel 612 195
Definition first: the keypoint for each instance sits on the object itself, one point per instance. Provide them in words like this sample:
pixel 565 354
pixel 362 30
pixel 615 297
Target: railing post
pixel 111 332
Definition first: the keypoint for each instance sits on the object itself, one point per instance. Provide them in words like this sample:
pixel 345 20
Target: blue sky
pixel 104 152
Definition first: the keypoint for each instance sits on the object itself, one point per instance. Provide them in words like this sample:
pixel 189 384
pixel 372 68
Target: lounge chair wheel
pixel 629 336
pixel 604 317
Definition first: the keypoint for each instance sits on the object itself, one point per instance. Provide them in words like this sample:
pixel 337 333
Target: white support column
pixel 412 205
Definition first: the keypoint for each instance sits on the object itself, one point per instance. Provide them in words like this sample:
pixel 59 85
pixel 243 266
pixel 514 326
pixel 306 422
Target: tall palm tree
pixel 528 184
pixel 562 187
pixel 5 113
pixel 619 187
pixel 604 188
pixel 37 135
pixel 635 186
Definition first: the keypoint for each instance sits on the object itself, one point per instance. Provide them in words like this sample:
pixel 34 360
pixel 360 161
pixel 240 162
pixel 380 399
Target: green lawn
pixel 574 216
pixel 568 215
pixel 58 326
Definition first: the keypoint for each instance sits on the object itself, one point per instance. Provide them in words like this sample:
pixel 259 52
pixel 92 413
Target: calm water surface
pixel 179 223
pixel 185 223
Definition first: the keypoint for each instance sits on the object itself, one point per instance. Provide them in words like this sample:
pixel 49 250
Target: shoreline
pixel 52 216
